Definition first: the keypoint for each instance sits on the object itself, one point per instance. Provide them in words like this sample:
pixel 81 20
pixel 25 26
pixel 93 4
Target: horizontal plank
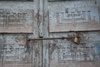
pixel 75 27
pixel 16 29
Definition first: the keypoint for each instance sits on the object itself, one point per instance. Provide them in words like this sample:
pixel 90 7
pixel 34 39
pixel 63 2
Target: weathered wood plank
pixel 75 27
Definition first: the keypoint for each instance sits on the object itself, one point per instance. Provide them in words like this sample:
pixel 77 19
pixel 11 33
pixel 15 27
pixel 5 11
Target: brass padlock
pixel 77 40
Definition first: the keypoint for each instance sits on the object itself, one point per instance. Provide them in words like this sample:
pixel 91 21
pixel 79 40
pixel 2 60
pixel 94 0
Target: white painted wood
pixel 73 19
pixel 61 53
pixel 13 47
pixel 17 17
pixel 75 27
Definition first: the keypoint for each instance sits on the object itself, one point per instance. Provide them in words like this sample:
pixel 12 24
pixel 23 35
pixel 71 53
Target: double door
pixel 21 20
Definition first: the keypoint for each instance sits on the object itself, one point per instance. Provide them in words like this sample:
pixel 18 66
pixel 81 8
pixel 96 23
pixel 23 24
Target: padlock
pixel 77 40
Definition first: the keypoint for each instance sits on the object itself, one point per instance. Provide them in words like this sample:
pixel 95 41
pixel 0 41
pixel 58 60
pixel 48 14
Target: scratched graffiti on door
pixel 14 53
pixel 16 20
pixel 69 52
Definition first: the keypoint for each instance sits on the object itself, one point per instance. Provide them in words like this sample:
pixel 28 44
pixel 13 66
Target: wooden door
pixel 69 18
pixel 19 21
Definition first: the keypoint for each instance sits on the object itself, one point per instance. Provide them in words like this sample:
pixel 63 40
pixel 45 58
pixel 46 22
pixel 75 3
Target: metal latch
pixel 75 39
